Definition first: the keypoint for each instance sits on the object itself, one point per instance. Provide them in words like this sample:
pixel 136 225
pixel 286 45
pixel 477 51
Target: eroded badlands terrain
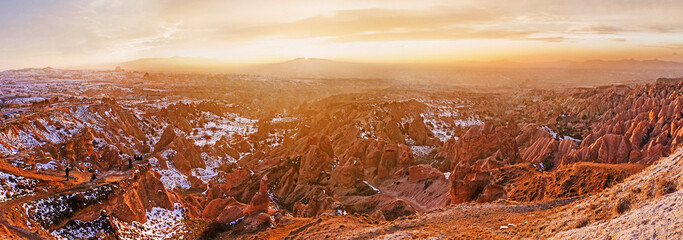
pixel 190 156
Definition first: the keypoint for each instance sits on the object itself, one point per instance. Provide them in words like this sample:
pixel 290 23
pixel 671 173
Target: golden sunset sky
pixel 83 32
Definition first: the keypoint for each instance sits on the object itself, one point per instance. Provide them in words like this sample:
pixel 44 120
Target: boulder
pixel 256 222
pixel 396 209
pixel 231 212
pixel 423 171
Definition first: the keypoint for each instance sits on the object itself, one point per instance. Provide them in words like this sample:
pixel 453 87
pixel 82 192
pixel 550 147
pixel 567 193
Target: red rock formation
pixel 318 203
pixel 541 151
pixel 419 132
pixel 491 193
pixel 393 158
pixel 349 171
pixel 236 178
pixel 480 142
pixel 469 188
pixel 627 125
pixel 260 201
pixel 610 148
pixel 316 161
pixel 188 155
pixel 147 192
pixel 214 208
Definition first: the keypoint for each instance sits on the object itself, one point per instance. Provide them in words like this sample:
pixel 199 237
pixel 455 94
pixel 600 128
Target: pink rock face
pixel 541 151
pixel 146 193
pixel 393 158
pixel 224 210
pixel 420 133
pixel 316 160
pixel 348 172
pixel 236 178
pixel 638 134
pixel 467 189
pixel 610 148
pixel 318 203
pixel 480 142
pixel 152 192
pixel 299 209
pixel 188 155
pixel 565 147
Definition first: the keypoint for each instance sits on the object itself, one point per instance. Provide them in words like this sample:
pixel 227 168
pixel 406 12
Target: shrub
pixel 623 205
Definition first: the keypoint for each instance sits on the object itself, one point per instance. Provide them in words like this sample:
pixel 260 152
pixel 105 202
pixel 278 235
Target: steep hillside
pixel 644 206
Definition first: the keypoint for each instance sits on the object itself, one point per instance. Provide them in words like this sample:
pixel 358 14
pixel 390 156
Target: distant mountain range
pixel 318 66
pixel 491 73
pixel 175 64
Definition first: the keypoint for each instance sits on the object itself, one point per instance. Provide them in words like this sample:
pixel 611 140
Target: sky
pixel 67 33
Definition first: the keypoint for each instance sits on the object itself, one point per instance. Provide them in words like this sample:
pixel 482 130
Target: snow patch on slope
pixel 161 224
pixel 210 171
pixel 170 177
pixel 228 125
pixel 442 116
pixel 12 186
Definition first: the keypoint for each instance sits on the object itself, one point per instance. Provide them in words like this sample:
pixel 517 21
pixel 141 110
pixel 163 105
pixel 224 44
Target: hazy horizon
pixel 191 62
pixel 83 33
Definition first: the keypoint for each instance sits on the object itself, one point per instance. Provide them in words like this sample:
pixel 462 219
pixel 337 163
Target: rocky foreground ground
pixel 220 156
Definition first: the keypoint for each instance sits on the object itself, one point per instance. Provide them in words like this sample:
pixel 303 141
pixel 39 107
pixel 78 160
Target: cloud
pixel 595 29
pixel 675 46
pixel 547 39
pixel 165 34
pixel 379 24
pixel 426 35
pixel 538 17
